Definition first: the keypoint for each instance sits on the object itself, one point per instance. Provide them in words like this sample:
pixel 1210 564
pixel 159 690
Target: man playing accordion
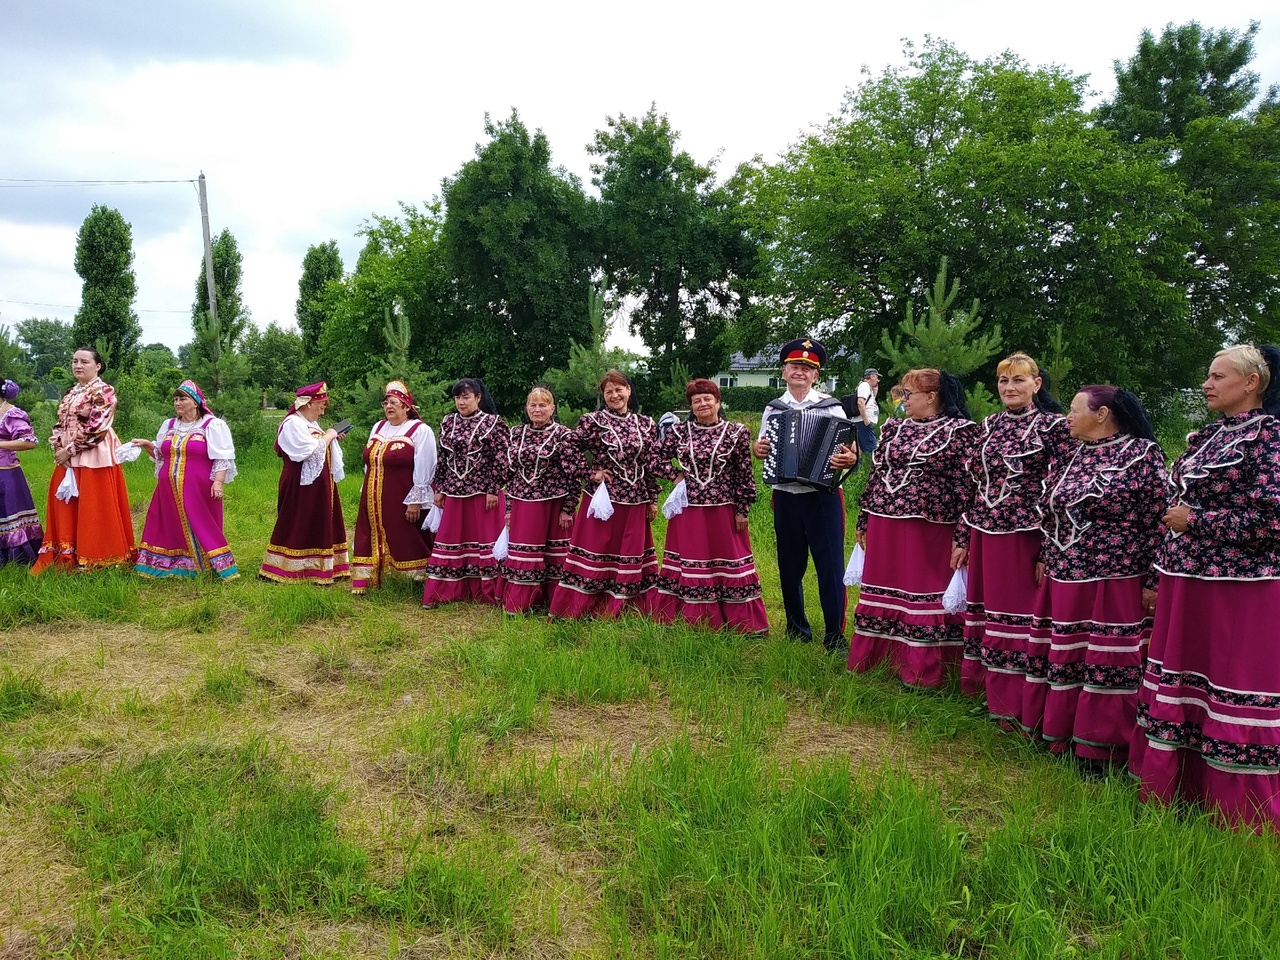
pixel 807 519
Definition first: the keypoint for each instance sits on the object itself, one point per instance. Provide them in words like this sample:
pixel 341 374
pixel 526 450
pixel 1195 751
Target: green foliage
pixel 362 403
pixel 517 235
pixel 577 385
pixel 233 316
pixel 998 167
pixel 673 249
pixel 321 266
pixel 947 338
pixel 275 357
pixel 104 261
pixel 46 344
pixel 748 399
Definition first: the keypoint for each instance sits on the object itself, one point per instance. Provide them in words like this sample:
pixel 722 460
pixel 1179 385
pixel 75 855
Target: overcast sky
pixel 308 117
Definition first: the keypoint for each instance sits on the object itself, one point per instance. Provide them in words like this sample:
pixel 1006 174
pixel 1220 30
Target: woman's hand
pixel 62 456
pixel 1176 518
pixel 566 521
pixel 740 523
pixel 651 511
pixel 861 539
pixel 147 445
pixel 959 557
pixel 601 476
pixel 1148 600
pixel 331 434
pixel 413 512
pixel 1039 574
pixel 490 501
pixel 438 499
pixel 216 490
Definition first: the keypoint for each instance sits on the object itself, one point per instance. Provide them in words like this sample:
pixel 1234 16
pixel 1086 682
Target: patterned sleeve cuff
pixel 227 465
pixel 418 493
pixel 313 465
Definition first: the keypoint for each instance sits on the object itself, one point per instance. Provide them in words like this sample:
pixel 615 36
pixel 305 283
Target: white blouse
pixel 217 435
pixel 300 439
pixel 424 455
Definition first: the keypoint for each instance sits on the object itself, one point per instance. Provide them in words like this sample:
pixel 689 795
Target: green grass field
pixel 196 770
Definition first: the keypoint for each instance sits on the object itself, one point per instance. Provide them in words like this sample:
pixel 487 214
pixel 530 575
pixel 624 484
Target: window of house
pixel 775 382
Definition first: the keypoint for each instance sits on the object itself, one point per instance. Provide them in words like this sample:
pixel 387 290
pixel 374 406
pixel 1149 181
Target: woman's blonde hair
pixel 1245 359
pixel 541 393
pixel 1016 363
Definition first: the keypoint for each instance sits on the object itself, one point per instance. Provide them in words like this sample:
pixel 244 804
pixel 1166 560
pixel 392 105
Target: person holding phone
pixel 309 541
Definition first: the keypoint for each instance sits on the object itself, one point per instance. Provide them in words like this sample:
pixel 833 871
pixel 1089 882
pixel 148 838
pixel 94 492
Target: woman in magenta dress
pixel 1104 497
pixel 708 574
pixel 1007 472
pixel 20 531
pixel 400 464
pixel 1208 727
pixel 544 470
pixel 309 541
pixel 909 523
pixel 194 457
pixel 468 490
pixel 612 565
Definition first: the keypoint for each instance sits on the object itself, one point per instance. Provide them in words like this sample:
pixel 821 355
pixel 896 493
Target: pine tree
pixel 946 339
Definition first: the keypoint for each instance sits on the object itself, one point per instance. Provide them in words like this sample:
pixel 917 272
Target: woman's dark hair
pixel 1125 407
pixel 616 376
pixel 476 386
pixel 97 357
pixel 951 396
pixel 1271 397
pixel 1044 399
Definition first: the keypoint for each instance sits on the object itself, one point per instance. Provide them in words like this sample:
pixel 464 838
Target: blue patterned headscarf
pixel 190 388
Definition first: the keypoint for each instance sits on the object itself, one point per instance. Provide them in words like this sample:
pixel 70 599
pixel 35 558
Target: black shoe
pixel 835 644
pixel 798 637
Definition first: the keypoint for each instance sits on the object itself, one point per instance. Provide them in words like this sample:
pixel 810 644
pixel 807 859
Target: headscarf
pixel 9 390
pixel 192 390
pixel 397 389
pixel 304 395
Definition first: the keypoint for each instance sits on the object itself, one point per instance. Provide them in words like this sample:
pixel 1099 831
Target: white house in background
pixel 761 370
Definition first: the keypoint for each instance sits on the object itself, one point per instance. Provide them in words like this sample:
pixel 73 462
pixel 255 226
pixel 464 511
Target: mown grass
pixel 202 769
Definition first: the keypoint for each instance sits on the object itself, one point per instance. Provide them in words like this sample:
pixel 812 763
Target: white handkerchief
pixel 432 521
pixel 501 545
pixel 853 572
pixel 601 507
pixel 676 501
pixel 956 597
pixel 67 488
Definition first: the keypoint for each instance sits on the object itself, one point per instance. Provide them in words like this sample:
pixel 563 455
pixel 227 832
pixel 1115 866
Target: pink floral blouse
pixel 473 454
pixel 715 461
pixel 623 445
pixel 920 470
pixel 1104 500
pixel 1230 478
pixel 544 464
pixel 1008 468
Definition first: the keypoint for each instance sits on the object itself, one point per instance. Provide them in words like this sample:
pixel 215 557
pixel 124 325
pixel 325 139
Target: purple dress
pixel 20 532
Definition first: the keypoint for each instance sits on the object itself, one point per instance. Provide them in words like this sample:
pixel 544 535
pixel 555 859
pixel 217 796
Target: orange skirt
pixel 94 529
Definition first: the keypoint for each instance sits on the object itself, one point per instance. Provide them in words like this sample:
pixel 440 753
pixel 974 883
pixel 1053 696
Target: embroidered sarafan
pixel 715 460
pixel 1230 478
pixel 1102 509
pixel 473 454
pixel 920 470
pixel 622 444
pixel 1007 470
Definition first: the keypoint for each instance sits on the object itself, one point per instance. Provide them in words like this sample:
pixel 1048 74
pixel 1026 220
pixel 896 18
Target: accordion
pixel 801 444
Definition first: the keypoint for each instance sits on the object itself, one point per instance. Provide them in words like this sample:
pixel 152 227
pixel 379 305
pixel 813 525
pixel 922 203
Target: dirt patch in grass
pixel 615 730
pixel 807 737
pixel 37 883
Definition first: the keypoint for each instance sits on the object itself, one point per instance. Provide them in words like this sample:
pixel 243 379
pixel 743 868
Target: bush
pixel 745 399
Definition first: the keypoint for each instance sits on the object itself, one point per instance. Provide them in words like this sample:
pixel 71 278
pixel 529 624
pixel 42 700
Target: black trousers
pixel 811 523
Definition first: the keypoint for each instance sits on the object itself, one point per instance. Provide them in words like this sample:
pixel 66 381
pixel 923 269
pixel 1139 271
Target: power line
pixel 72 306
pixel 31 182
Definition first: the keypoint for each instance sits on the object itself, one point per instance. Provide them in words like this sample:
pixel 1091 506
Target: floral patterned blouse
pixel 1008 468
pixel 1230 478
pixel 920 470
pixel 473 454
pixel 623 445
pixel 544 465
pixel 715 461
pixel 1102 508
pixel 85 416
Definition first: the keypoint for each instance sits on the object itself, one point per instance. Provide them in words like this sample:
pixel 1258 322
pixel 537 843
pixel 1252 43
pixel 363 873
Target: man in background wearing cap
pixel 806 520
pixel 861 407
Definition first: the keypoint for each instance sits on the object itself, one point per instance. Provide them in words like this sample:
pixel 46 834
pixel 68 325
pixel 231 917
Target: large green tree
pixel 321 266
pixel 275 357
pixel 104 261
pixel 46 343
pixel 1189 97
pixel 214 356
pixel 674 251
pixel 517 234
pixel 996 166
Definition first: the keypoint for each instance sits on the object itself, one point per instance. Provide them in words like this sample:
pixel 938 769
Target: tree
pixel 1185 97
pixel 46 343
pixel 232 315
pixel 946 339
pixel 577 384
pixel 321 266
pixel 517 235
pixel 104 261
pixel 996 166
pixel 673 248
pixel 275 357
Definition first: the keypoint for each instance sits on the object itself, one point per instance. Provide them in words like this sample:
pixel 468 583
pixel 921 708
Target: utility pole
pixel 208 254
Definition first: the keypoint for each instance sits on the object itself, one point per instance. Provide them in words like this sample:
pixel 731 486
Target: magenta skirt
pixel 1002 595
pixel 899 617
pixel 708 574
pixel 611 565
pixel 1087 644
pixel 535 554
pixel 462 565
pixel 1208 727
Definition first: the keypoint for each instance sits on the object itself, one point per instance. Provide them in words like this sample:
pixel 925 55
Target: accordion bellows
pixel 801 444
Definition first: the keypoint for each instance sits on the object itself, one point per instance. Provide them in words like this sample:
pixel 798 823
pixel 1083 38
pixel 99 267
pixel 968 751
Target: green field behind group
pixel 195 769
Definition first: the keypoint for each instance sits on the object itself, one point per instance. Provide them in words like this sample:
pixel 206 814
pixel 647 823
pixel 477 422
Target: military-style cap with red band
pixel 805 350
